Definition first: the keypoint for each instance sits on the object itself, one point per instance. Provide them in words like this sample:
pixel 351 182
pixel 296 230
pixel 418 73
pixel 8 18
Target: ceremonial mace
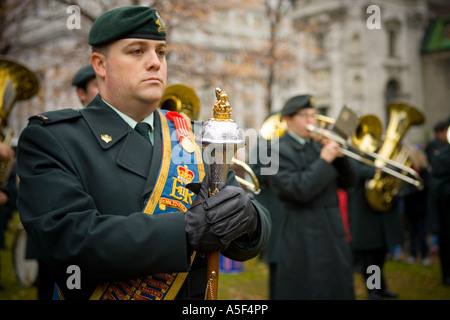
pixel 220 138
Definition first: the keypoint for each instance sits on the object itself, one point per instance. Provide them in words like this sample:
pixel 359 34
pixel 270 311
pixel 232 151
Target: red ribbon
pixel 180 123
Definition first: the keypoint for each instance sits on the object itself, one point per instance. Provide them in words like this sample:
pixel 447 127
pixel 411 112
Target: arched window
pixel 392 93
pixel 393 28
pixel 392 90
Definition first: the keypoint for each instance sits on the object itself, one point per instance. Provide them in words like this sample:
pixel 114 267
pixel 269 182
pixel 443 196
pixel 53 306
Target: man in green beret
pixel 314 260
pixel 85 82
pixel 104 188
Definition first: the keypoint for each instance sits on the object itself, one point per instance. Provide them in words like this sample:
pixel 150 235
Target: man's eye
pixel 162 53
pixel 137 51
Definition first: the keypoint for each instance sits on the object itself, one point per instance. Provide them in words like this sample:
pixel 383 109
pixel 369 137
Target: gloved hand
pixel 212 223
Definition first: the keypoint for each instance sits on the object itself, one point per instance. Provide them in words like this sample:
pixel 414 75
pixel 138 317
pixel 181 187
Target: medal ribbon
pixel 180 125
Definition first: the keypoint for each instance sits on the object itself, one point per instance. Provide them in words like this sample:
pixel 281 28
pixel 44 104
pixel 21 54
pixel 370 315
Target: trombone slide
pixel 416 181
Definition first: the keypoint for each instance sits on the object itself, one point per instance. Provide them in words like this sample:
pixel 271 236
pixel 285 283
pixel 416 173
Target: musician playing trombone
pixel 315 258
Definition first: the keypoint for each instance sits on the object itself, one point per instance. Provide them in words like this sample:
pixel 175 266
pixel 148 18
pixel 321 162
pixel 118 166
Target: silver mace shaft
pixel 220 138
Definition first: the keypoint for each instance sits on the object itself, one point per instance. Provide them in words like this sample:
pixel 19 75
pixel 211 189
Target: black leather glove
pixel 212 223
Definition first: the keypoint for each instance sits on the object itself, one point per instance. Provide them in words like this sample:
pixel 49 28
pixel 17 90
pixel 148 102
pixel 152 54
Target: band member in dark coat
pixel 104 203
pixel 85 82
pixel 373 232
pixel 441 174
pixel 268 197
pixel 315 257
pixel 432 151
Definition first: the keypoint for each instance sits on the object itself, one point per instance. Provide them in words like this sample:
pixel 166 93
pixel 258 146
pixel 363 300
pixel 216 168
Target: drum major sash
pixel 169 195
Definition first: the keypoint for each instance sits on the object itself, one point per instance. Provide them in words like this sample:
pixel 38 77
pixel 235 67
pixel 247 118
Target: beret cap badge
pixel 160 23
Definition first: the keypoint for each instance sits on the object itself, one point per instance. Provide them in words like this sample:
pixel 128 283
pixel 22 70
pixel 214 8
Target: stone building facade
pixel 336 54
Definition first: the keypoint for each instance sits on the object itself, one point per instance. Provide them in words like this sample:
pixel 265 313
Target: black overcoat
pixel 315 258
pixel 372 229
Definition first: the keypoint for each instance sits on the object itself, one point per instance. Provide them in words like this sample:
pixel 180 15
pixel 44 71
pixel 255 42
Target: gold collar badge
pixel 106 138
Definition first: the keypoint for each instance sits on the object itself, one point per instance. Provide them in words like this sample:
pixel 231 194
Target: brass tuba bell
pixel 17 83
pixel 182 99
pixel 367 135
pixel 382 188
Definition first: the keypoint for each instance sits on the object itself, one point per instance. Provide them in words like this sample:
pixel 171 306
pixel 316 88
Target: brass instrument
pixel 363 153
pixel 365 139
pixel 183 99
pixel 273 127
pixel 381 189
pixel 448 134
pixel 17 83
pixel 254 187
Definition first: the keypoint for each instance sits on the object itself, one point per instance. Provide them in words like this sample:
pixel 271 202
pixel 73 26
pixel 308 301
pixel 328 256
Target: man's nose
pixel 152 61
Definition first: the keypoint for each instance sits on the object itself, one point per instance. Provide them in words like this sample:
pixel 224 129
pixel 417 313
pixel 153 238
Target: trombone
pixel 365 129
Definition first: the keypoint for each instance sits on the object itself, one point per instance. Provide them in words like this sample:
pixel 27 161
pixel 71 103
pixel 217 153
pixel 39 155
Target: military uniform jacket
pixel 81 199
pixel 315 258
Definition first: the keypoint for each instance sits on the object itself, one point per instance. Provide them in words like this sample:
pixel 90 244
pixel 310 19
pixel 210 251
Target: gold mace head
pixel 222 108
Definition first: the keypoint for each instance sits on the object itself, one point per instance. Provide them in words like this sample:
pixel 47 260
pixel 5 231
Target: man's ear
pixel 98 62
pixel 81 94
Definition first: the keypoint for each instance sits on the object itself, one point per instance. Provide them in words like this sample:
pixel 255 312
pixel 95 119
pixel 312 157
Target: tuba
pixel 183 99
pixel 381 189
pixel 17 83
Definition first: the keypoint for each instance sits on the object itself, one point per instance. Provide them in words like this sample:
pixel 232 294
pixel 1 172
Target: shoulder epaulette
pixel 56 116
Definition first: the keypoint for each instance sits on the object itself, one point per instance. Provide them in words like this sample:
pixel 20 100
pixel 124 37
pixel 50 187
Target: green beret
pixel 296 103
pixel 83 75
pixel 127 22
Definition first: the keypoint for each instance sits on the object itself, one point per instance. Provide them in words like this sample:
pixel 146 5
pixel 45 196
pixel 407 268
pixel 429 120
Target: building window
pixel 392 94
pixel 392 91
pixel 392 42
pixel 356 43
pixel 357 86
pixel 320 40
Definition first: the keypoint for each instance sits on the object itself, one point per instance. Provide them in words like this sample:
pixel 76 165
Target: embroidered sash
pixel 178 168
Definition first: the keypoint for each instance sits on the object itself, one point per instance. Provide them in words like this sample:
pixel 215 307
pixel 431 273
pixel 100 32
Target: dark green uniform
pixel 315 258
pixel 81 198
pixel 441 196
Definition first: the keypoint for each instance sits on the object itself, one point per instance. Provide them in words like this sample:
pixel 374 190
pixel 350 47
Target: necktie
pixel 144 130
